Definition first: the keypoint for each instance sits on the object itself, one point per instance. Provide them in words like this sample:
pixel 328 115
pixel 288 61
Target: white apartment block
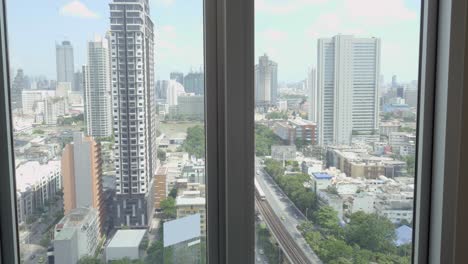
pixel 30 99
pixel 348 72
pixel 35 184
pixel 133 108
pixel 96 83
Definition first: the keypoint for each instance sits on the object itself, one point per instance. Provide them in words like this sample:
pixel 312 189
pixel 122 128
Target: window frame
pixel 439 234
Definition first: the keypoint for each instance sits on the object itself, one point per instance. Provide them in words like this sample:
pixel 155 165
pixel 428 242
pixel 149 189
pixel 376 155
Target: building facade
pixel 194 82
pixel 348 72
pixel 82 176
pixel 36 184
pixel 97 96
pixel 64 62
pixel 312 98
pixel 20 83
pixel 76 235
pixel 177 76
pixel 132 73
pixel 266 81
pixel 191 106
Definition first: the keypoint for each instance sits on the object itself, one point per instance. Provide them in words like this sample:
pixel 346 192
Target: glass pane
pixel 336 107
pixel 108 112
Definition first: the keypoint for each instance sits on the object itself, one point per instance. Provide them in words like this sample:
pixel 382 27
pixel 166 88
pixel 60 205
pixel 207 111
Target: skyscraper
pixel 177 76
pixel 348 71
pixel 194 82
pixel 64 62
pixel 266 81
pixel 97 96
pixel 134 112
pixel 20 83
pixel 82 176
pixel 312 90
pixel 78 81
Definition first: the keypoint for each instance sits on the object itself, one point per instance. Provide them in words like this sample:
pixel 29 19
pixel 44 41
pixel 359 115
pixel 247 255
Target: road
pixel 285 209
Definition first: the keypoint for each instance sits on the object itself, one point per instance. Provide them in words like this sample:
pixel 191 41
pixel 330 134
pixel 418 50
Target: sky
pixel 287 30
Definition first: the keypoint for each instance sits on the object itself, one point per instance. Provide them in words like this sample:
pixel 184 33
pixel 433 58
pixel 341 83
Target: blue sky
pixel 285 29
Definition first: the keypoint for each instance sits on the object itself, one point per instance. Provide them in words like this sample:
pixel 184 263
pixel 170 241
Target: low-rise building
pixel 386 128
pixel 160 187
pixel 296 129
pixel 125 244
pixel 283 153
pixel 320 181
pixel 189 203
pixel 398 139
pixel 76 235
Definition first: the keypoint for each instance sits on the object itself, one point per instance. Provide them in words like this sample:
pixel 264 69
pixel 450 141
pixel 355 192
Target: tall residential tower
pixel 132 72
pixel 97 86
pixel 348 71
pixel 65 63
pixel 266 81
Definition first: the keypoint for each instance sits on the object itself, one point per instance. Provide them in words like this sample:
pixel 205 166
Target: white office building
pixel 348 72
pixel 96 83
pixel 30 99
pixel 133 108
pixel 174 90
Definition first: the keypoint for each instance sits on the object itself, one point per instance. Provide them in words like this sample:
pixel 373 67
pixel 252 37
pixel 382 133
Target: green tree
pixel 277 115
pixel 264 139
pixel 161 155
pixel 155 253
pixel 371 232
pixel 168 208
pixel 38 131
pixel 410 164
pixel 90 260
pixel 173 192
pixel 194 144
pixel 327 218
pixel 274 168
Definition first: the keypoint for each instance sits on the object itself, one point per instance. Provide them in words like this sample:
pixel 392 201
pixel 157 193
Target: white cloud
pixel 378 12
pixel 77 9
pixel 327 25
pixel 274 35
pixel 168 31
pixel 282 7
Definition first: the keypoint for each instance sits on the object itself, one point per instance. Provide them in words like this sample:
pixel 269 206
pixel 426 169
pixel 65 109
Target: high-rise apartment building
pixel 266 81
pixel 348 71
pixel 97 95
pixel 134 112
pixel 177 76
pixel 64 62
pixel 194 82
pixel 20 83
pixel 82 175
pixel 312 98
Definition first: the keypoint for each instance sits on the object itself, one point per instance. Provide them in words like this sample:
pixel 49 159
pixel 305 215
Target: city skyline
pixel 179 33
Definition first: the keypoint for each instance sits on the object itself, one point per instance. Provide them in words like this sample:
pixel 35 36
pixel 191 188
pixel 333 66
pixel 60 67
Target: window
pixel 229 74
pixel 93 182
pixel 336 77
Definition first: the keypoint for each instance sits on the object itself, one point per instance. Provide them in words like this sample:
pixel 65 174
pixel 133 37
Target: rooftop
pixel 30 173
pixel 322 176
pixel 127 238
pixel 183 200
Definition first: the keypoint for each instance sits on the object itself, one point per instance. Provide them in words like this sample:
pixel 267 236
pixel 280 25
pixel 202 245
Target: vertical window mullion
pixel 229 62
pixel 8 227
